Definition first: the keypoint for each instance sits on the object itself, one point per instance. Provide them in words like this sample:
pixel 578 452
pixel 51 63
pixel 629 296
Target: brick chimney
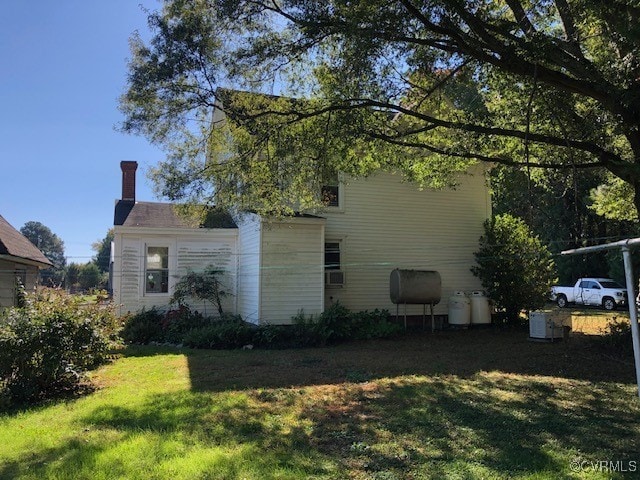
pixel 129 168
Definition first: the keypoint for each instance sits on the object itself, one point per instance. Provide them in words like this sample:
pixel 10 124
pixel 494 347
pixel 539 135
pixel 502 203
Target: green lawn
pixel 463 405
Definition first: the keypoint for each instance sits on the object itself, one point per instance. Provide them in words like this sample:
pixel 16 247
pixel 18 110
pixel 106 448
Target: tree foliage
pixel 103 251
pixel 514 266
pixel 90 276
pixel 72 275
pixel 556 206
pixel 51 246
pixel 613 199
pixel 425 87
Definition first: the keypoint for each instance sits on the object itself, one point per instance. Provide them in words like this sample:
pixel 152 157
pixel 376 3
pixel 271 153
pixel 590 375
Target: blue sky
pixel 63 68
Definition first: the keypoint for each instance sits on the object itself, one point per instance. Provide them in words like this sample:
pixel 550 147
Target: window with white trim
pixel 331 190
pixel 157 270
pixel 334 276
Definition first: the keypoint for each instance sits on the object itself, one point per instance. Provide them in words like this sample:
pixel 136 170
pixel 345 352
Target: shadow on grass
pixel 461 353
pixel 454 404
pixel 409 427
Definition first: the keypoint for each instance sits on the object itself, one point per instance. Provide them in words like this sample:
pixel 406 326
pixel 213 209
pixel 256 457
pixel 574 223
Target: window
pixel 334 276
pixel 332 256
pixel 330 191
pixel 331 195
pixel 157 271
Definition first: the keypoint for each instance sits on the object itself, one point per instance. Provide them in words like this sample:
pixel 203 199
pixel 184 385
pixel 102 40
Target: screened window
pixel 157 271
pixel 332 255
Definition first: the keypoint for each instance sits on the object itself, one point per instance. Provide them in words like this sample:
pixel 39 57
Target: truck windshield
pixel 611 284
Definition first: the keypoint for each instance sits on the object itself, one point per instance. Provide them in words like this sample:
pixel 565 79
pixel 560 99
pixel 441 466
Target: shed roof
pixel 163 215
pixel 14 244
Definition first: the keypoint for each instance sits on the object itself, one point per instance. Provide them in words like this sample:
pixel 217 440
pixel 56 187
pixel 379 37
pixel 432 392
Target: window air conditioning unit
pixel 334 277
pixel 542 328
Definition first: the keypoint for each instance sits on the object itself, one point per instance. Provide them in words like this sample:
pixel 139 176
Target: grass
pixel 588 320
pixel 463 405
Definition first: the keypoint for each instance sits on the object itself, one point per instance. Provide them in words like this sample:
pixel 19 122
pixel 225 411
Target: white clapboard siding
pixel 386 223
pixel 249 227
pixel 220 254
pixel 9 272
pixel 128 271
pixel 189 249
pixel 291 271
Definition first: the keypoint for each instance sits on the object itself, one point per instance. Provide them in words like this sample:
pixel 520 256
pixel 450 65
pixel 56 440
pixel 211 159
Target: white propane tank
pixel 480 311
pixel 459 309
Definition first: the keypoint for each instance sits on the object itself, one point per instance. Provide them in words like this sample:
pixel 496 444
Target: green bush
pixel 148 326
pixel 228 332
pixel 374 324
pixel 335 323
pixel 303 332
pixel 144 327
pixel 47 346
pixel 514 266
pixel 182 326
pixel 616 339
pixel 178 322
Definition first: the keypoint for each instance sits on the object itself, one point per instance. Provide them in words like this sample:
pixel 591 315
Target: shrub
pixel 152 325
pixel 144 327
pixel 205 286
pixel 47 346
pixel 373 324
pixel 228 332
pixel 182 326
pixel 178 322
pixel 616 339
pixel 335 323
pixel 515 268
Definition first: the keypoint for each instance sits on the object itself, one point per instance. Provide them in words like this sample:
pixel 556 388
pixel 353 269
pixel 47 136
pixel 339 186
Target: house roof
pixel 14 244
pixel 163 215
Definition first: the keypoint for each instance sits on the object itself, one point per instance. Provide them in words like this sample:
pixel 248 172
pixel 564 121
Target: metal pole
pixel 433 320
pixel 628 271
pixel 633 311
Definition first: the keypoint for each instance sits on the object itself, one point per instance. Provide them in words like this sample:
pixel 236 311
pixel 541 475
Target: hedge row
pixel 191 329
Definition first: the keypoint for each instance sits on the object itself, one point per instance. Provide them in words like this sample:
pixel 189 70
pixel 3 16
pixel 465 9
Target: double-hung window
pixel 157 270
pixel 331 191
pixel 334 276
pixel 332 255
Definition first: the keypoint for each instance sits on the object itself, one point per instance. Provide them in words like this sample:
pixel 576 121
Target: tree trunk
pixel 636 196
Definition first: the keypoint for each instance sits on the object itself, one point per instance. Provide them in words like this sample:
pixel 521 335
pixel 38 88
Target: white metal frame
pixel 625 246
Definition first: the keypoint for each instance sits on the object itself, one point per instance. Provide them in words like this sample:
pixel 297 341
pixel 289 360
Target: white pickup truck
pixel 591 291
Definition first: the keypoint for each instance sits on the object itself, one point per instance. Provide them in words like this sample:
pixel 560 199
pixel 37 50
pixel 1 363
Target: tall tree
pixel 103 251
pixel 423 86
pixel 52 247
pixel 72 275
pixel 90 276
pixel 556 206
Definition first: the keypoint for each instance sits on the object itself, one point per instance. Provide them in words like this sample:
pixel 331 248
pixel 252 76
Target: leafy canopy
pixel 51 246
pixel 424 87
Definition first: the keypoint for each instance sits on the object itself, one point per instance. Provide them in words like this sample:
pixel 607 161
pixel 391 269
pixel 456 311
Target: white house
pixel 275 269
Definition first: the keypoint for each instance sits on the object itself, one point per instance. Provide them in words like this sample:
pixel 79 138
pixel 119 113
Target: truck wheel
pixel 608 303
pixel 561 301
